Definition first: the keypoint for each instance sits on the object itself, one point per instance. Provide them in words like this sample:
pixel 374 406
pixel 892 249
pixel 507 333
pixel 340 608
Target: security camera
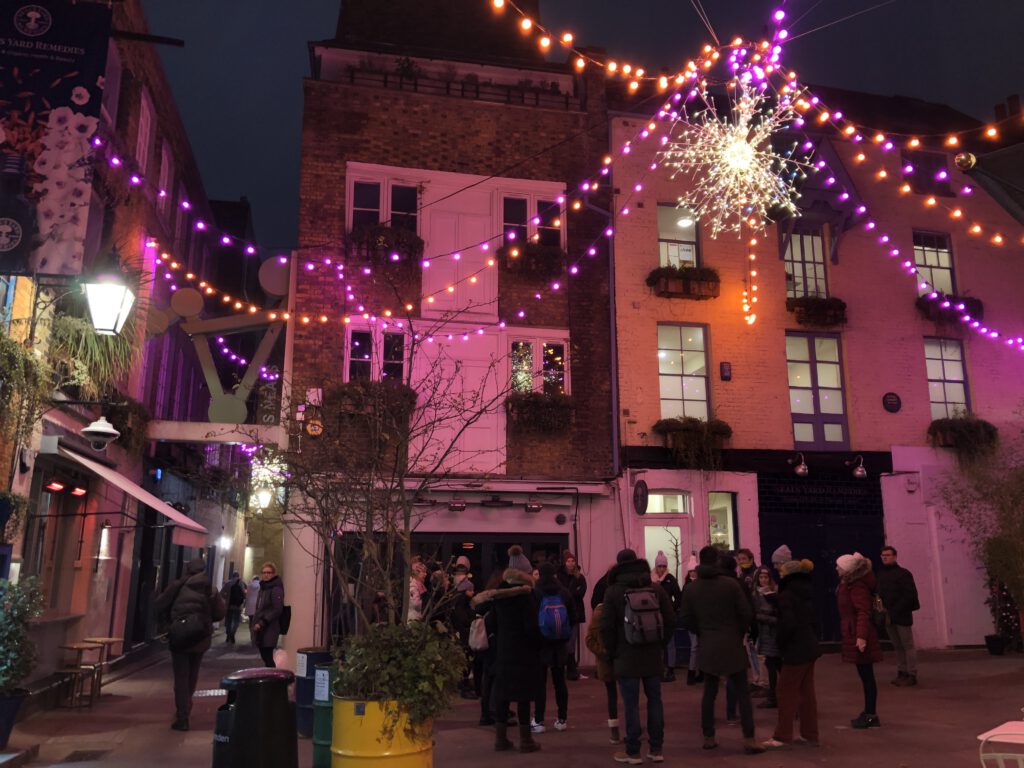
pixel 100 434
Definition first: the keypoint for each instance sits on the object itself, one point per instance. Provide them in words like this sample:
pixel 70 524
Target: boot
pixel 670 676
pixel 526 742
pixel 501 740
pixel 709 742
pixel 752 747
pixel 900 679
pixel 614 737
pixel 864 720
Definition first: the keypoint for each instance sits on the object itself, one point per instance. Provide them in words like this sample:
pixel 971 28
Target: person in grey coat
pixel 266 619
pixel 717 608
pixel 189 606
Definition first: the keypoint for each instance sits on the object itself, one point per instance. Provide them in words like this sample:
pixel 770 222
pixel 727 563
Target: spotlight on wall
pixel 54 486
pixel 534 506
pixel 78 491
pixel 857 462
pixel 457 505
pixel 799 465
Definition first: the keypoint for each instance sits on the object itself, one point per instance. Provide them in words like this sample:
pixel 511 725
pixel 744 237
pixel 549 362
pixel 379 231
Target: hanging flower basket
pixel 694 443
pixel 817 310
pixel 538 413
pixel 933 309
pixel 697 283
pixel 544 262
pixel 379 244
pixel 970 438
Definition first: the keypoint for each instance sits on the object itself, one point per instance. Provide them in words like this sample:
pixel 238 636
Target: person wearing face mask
pixel 661 575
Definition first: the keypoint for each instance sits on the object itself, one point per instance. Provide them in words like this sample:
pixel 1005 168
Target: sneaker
pixel 709 742
pixel 807 742
pixel 774 744
pixel 561 725
pixel 732 721
pixel 624 757
pixel 864 720
pixel 656 757
pixel 536 727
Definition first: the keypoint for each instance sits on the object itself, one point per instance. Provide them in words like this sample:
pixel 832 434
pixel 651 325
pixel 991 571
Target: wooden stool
pixel 75 677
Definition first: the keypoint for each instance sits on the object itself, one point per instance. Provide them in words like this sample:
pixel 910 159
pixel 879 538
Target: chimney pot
pixel 1013 103
pixel 1000 112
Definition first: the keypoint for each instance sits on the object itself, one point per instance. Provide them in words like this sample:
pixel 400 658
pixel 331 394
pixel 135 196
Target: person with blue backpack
pixel 556 619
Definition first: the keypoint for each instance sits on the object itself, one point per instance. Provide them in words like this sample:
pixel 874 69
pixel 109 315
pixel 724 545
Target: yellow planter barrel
pixel 357 741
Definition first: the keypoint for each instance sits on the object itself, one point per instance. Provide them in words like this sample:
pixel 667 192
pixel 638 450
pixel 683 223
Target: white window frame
pixel 387 182
pixel 377 331
pixel 111 85
pixel 682 376
pixel 144 140
pixel 532 200
pixel 943 347
pixel 538 340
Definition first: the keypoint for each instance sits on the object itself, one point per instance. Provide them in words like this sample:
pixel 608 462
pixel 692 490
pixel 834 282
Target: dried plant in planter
pixel 685 282
pixel 695 443
pixel 970 438
pixel 817 310
pixel 539 413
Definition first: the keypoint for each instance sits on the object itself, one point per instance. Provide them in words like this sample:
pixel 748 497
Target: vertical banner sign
pixel 53 56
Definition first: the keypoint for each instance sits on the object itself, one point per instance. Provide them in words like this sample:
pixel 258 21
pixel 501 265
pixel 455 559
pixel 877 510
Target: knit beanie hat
pixel 781 555
pixel 660 559
pixel 795 566
pixel 517 560
pixel 566 554
pixel 462 562
pixel 847 563
pixel 625 555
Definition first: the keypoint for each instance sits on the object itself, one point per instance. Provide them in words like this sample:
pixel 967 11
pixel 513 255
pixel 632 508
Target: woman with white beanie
pixel 860 643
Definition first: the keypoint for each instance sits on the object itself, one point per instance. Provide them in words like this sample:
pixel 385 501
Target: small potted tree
pixel 19 603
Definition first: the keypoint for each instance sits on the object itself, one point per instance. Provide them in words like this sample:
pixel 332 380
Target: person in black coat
pixel 661 575
pixel 554 654
pixel 189 606
pixel 571 577
pixel 266 619
pixel 898 591
pixel 796 632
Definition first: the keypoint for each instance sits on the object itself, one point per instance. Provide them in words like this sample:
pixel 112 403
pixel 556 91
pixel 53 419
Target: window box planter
pixel 544 262
pixel 936 311
pixel 537 413
pixel 970 438
pixel 694 443
pixel 380 244
pixel 696 283
pixel 815 310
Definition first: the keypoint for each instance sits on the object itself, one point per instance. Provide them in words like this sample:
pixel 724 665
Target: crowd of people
pixel 746 624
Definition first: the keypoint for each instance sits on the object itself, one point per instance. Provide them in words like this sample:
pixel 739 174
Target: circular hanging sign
pixel 891 402
pixel 640 496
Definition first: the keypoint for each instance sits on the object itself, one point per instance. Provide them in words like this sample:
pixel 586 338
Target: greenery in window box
pixel 416 665
pixel 695 443
pixel 817 310
pixel 685 282
pixel 12 513
pixel 89 362
pixel 970 438
pixel 378 242
pixel 545 262
pixel 26 385
pixel 132 421
pixel 933 309
pixel 539 413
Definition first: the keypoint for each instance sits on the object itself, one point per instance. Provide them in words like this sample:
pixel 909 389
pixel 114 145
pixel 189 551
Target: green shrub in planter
pixel 685 282
pixel 970 438
pixel 417 664
pixel 12 513
pixel 538 412
pixel 19 603
pixel 695 443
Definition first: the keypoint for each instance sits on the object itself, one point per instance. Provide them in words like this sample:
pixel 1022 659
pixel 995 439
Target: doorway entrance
pixel 488 552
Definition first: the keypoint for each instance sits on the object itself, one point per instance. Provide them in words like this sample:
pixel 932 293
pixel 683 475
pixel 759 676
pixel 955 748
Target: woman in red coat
pixel 860 639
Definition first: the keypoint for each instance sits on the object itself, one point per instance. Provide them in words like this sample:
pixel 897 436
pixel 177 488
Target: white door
pixel 474 296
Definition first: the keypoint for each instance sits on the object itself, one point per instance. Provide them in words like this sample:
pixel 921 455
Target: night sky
pixel 238 81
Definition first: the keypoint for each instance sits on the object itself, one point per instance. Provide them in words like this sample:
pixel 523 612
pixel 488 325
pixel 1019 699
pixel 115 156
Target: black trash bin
pixel 256 727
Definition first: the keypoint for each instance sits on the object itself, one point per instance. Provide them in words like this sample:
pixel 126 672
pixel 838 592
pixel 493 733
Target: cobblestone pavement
pixel 962 693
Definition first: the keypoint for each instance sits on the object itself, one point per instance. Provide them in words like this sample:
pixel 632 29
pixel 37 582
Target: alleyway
pixel 933 726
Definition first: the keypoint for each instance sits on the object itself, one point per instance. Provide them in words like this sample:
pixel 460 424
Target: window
pixel 722 520
pixel 181 229
pixel 934 261
pixel 375 354
pixel 682 371
pixel 677 236
pixel 166 178
pixel 947 380
pixel 539 365
pixel 111 85
pixel 669 502
pixel 544 227
pixel 145 138
pixel 804 261
pixel 366 205
pixel 930 174
pixel 816 391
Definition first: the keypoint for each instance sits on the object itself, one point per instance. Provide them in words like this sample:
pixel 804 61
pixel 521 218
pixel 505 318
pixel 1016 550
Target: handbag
pixel 478 635
pixel 188 630
pixel 879 614
pixel 285 619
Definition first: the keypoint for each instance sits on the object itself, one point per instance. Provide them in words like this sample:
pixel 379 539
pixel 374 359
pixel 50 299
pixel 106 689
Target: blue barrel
pixel 323 715
pixel 306 660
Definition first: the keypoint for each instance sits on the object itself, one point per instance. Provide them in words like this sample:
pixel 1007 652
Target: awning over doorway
pixel 186 532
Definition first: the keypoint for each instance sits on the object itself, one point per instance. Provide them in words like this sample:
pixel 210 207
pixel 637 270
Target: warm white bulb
pixel 685 222
pixel 739 155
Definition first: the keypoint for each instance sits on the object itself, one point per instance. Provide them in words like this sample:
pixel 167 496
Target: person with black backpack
pixel 556 619
pixel 636 622
pixel 188 607
pixel 233 593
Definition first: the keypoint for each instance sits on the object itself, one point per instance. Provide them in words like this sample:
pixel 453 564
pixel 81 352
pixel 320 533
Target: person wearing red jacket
pixel 860 643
